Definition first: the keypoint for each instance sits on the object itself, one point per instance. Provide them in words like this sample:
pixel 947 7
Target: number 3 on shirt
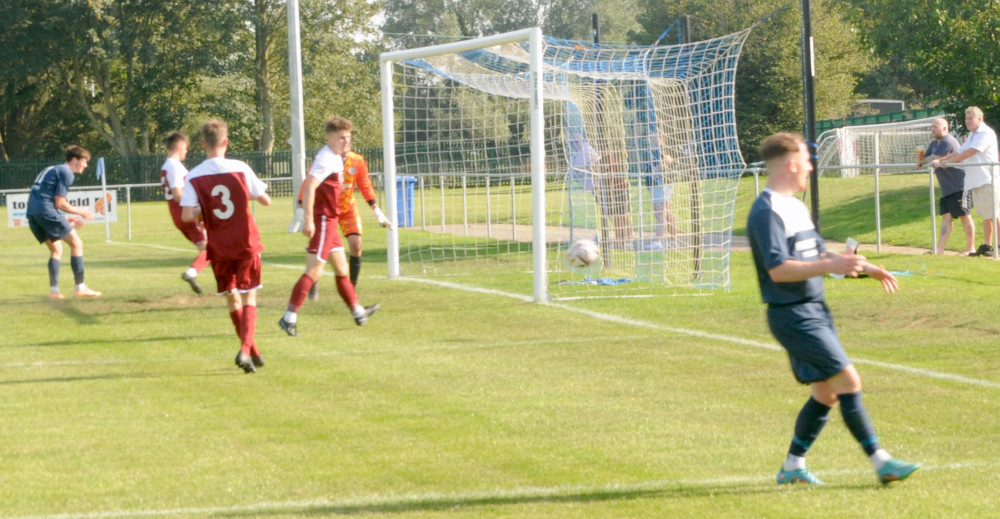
pixel 225 197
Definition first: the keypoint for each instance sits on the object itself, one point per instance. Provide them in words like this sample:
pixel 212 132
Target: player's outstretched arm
pixel 889 282
pixel 264 199
pixel 795 270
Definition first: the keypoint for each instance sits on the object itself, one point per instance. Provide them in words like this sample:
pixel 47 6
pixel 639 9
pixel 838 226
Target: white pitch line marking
pixel 397 501
pixel 671 329
pixel 720 337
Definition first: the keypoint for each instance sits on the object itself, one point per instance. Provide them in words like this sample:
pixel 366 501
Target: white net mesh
pixel 870 145
pixel 640 151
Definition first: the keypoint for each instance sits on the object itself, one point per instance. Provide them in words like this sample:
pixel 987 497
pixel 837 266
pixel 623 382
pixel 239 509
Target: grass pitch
pixel 463 403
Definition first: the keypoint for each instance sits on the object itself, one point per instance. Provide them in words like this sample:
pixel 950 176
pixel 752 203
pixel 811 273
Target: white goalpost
pixel 502 151
pixel 857 150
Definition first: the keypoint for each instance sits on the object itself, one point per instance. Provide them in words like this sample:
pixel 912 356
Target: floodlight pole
pixel 809 106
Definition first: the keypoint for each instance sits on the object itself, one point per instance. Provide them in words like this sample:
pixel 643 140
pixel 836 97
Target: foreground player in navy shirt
pixel 791 262
pixel 47 198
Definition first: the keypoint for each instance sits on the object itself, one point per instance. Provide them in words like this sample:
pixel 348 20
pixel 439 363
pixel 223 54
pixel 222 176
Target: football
pixel 582 253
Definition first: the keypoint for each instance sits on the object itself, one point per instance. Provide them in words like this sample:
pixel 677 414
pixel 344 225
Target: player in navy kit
pixel 218 191
pixel 791 261
pixel 47 198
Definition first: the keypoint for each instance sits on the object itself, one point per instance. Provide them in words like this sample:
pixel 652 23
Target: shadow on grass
pixel 210 335
pixel 74 313
pixel 403 505
pixel 121 376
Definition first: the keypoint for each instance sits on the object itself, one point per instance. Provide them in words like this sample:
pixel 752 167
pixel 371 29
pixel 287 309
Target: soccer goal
pixel 858 150
pixel 504 150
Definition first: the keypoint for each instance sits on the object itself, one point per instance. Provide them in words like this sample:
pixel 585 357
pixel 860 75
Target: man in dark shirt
pixel 955 201
pixel 791 261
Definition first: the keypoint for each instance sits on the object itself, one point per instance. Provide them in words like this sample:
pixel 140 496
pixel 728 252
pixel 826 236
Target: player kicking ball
pixel 47 198
pixel 323 188
pixel 791 261
pixel 172 175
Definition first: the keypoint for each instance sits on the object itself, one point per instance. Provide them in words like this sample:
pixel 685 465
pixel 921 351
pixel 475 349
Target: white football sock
pixel 794 462
pixel 879 458
pixel 290 317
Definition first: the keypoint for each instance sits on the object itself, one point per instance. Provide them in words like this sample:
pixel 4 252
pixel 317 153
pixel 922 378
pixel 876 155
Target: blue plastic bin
pixel 404 200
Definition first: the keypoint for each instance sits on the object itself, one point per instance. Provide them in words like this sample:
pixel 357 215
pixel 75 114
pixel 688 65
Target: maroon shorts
pixel 240 275
pixel 326 239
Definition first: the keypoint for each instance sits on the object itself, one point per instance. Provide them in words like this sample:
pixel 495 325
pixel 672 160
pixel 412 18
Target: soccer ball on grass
pixel 582 253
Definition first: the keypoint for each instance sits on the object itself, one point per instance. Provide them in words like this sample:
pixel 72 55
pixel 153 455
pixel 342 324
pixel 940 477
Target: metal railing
pixel 757 168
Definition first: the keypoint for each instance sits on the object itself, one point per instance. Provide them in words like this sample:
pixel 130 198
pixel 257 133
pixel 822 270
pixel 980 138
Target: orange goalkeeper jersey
pixel 355 174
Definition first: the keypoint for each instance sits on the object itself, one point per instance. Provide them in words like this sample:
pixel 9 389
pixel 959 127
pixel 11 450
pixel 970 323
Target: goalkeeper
pixel 355 175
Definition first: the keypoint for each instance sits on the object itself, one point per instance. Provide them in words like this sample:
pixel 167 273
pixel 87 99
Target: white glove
pixel 296 225
pixel 382 220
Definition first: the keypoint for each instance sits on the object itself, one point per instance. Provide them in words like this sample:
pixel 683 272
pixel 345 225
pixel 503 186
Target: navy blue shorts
pixel 807 333
pixel 49 227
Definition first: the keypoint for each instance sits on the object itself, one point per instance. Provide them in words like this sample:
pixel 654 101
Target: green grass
pixel 847 209
pixel 453 403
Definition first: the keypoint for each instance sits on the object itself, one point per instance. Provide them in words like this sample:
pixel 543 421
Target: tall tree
pixel 37 117
pixel 416 23
pixel 126 63
pixel 955 46
pixel 768 80
pixel 573 19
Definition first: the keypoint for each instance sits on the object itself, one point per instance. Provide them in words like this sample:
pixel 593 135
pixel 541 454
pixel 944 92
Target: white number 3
pixel 223 193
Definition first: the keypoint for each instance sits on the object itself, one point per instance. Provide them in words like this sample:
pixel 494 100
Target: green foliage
pixel 573 19
pixel 417 23
pixel 769 77
pixel 952 45
pixel 116 76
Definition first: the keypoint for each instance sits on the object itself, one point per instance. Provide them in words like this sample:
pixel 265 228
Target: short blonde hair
pixel 214 132
pixel 974 110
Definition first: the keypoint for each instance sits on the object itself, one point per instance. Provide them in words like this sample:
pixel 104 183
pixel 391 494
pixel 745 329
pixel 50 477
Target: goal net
pixel 858 150
pixel 506 149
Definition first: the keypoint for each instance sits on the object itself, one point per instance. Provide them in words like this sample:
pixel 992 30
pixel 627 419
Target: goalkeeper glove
pixel 296 225
pixel 382 220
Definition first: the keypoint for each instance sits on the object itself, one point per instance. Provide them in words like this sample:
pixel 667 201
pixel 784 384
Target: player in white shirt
pixel 320 199
pixel 172 175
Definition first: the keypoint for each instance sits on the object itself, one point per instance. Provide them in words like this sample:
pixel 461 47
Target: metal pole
pixel 298 132
pixel 537 124
pixel 809 105
pixel 996 230
pixel 934 230
pixel 878 200
pixel 389 165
